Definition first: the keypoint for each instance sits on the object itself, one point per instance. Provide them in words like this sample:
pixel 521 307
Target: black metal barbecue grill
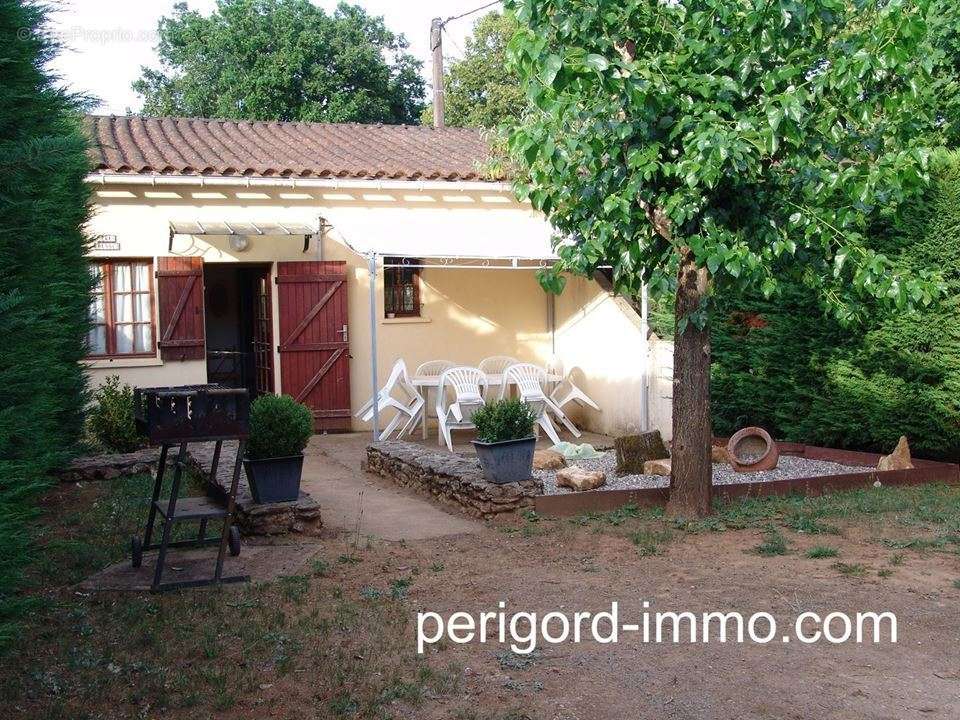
pixel 171 416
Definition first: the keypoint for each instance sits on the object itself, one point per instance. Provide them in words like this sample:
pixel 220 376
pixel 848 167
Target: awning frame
pixel 214 229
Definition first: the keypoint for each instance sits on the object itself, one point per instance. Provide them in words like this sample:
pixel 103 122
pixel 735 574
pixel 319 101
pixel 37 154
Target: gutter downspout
pixel 372 276
pixel 645 378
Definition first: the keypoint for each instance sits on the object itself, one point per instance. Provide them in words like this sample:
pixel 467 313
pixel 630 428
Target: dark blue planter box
pixel 274 480
pixel 507 461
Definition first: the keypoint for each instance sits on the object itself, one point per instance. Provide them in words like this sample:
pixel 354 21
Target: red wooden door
pixel 314 354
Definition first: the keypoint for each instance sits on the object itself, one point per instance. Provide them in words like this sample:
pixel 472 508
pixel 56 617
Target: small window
pixel 401 287
pixel 121 309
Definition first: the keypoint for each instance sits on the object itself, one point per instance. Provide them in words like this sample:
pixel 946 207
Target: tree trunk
pixel 691 477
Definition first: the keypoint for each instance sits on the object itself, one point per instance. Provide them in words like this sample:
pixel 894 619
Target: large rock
pixel 657 467
pixel 548 460
pixel 579 479
pixel 899 459
pixel 635 450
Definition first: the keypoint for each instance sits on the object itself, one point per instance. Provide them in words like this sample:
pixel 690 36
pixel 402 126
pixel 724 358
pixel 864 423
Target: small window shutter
pixel 180 295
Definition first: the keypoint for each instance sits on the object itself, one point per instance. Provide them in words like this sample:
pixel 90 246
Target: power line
pixel 470 12
pixel 455 44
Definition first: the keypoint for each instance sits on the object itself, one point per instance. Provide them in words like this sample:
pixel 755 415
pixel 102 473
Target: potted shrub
pixel 279 430
pixel 505 440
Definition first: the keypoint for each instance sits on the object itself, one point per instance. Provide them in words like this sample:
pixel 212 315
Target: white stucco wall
pixel 466 316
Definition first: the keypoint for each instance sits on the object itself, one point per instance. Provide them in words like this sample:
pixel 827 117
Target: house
pixel 244 253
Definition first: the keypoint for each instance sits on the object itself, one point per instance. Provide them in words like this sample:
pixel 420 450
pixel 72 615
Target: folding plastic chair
pixel 468 385
pixel 496 365
pixel 408 409
pixel 433 368
pixel 564 392
pixel 530 381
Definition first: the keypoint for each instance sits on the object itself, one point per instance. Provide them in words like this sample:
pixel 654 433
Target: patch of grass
pixel 370 593
pixel 850 569
pixel 510 660
pixel 650 542
pixel 96 531
pixel 344 705
pixel 137 655
pixel 803 523
pixel 348 559
pixel 822 551
pixel 897 559
pixel 774 543
pixel 613 517
pixel 293 587
pixel 949 543
pixel 936 504
pixel 437 567
pixel 399 588
pixel 956 584
pixel 884 572
pixel 320 567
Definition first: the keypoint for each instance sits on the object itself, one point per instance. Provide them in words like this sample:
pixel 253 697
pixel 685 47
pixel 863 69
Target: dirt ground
pixel 339 641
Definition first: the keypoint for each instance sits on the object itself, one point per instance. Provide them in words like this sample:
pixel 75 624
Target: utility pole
pixel 436 45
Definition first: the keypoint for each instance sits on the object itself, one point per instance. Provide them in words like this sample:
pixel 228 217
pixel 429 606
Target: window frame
pixel 106 268
pixel 412 268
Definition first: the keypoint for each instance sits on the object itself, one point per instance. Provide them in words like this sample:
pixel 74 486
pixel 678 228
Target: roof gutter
pixel 102 178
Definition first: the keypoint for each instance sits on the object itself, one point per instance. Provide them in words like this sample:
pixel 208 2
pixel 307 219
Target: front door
pixel 314 349
pixel 262 343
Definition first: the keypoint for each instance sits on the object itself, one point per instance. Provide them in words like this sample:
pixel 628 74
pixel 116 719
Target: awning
pixel 464 237
pixel 224 227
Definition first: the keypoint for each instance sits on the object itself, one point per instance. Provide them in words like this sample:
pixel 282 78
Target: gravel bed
pixel 789 467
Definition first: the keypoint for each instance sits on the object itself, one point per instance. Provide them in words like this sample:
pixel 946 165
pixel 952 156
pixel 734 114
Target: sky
pixel 107 41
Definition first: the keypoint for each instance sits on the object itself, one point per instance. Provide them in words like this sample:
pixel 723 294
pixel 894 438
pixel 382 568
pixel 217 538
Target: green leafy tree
pixel 713 145
pixel 945 39
pixel 282 60
pixel 480 89
pixel 44 281
pixel 781 364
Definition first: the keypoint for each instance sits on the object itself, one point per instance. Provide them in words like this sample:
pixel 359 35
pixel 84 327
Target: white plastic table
pixel 426 383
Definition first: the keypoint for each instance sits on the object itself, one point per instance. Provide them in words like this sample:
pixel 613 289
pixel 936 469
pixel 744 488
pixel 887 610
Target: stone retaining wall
pixel 454 479
pixel 111 465
pixel 300 516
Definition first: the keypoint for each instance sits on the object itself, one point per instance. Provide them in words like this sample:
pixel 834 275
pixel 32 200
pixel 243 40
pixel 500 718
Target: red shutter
pixel 314 348
pixel 180 292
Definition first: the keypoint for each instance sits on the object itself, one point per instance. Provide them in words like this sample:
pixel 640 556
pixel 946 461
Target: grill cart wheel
pixel 234 540
pixel 136 552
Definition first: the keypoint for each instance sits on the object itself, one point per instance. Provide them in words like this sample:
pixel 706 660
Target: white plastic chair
pixel 467 385
pixel 496 365
pixel 566 391
pixel 433 368
pixel 408 409
pixel 530 381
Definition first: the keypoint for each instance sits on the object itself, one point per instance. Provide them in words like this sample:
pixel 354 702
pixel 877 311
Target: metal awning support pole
pixel 645 376
pixel 372 277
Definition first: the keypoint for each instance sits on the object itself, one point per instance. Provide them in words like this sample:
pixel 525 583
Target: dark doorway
pixel 239 326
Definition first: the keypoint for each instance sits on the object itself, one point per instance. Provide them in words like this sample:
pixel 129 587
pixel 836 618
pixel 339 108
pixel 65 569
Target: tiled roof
pixel 182 146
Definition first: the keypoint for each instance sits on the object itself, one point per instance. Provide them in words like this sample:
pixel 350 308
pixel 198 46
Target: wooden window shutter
pixel 180 296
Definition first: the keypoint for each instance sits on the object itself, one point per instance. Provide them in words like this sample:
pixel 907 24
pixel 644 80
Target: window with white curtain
pixel 121 309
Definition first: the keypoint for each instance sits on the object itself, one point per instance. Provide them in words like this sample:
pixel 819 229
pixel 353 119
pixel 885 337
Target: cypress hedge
pixel 785 366
pixel 44 283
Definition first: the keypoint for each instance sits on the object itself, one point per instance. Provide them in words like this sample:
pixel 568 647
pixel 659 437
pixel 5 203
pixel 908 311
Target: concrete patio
pixel 356 501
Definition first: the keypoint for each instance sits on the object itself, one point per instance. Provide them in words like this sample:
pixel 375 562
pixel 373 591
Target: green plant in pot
pixel 280 428
pixel 505 440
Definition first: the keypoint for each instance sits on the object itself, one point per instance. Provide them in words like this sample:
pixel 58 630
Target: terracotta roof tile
pixel 192 146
